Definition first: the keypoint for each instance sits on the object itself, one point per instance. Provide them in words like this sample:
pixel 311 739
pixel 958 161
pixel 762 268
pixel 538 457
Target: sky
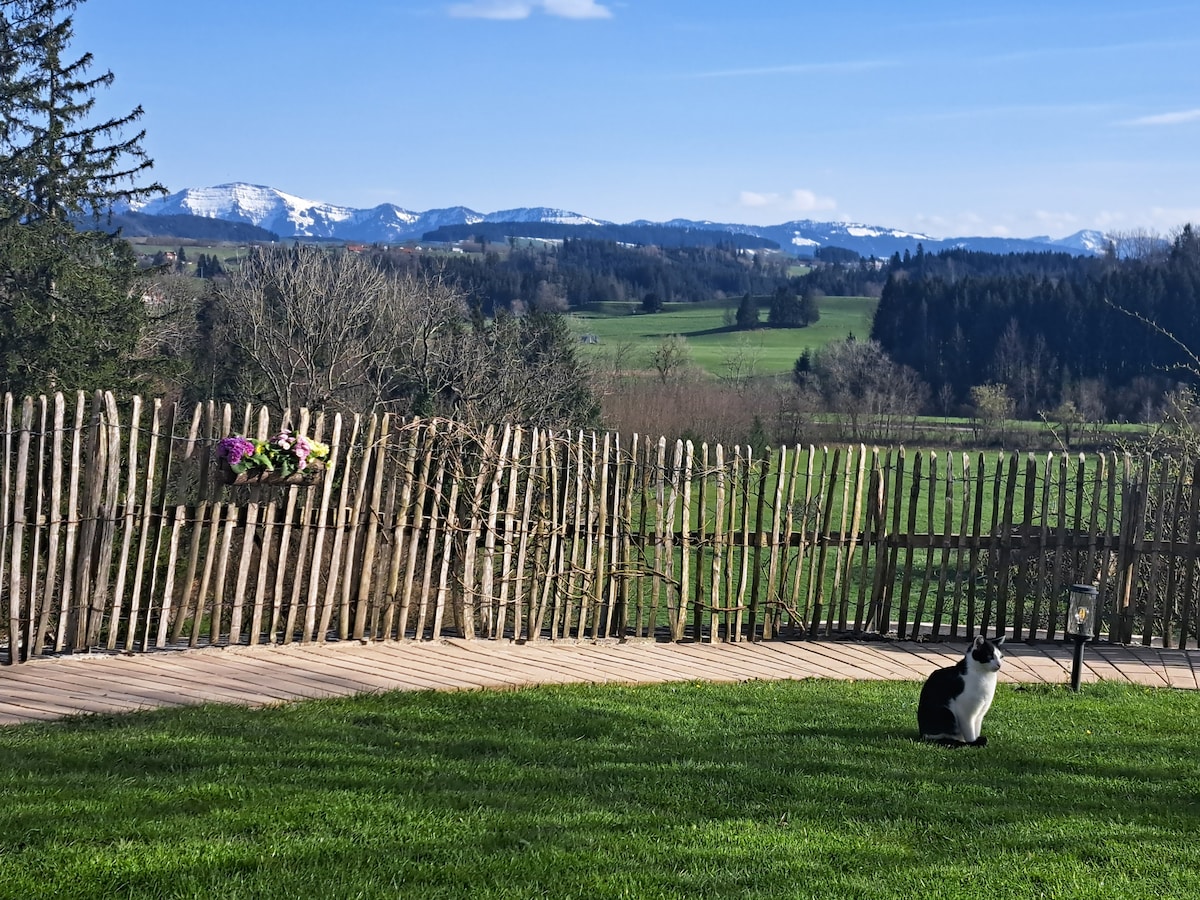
pixel 945 118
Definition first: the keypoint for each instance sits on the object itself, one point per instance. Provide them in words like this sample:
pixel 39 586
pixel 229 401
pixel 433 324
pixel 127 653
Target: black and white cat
pixel 955 699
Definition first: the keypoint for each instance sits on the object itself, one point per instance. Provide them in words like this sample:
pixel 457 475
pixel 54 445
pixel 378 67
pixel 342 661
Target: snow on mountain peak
pixel 541 214
pixel 291 216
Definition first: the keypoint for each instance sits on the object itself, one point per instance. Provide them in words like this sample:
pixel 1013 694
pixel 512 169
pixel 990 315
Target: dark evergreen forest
pixel 1044 324
pixel 582 271
pixel 644 235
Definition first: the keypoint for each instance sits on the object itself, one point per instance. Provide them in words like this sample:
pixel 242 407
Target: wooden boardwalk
pixel 55 687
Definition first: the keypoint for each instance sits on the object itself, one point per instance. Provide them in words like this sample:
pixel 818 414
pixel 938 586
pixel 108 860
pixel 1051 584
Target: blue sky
pixel 1018 118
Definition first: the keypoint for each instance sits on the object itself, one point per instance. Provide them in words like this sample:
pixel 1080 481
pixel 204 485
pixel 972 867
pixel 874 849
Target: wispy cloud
pixel 523 9
pixel 800 200
pixel 853 65
pixel 1060 51
pixel 1055 110
pixel 1171 118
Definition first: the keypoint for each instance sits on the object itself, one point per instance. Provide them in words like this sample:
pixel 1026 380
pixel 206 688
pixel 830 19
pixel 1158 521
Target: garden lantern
pixel 1081 618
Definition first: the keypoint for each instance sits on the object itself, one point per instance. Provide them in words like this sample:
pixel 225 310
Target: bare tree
pixel 859 381
pixel 169 329
pixel 993 406
pixel 1138 243
pixel 329 329
pixel 670 356
pixel 550 297
pixel 1026 366
pixel 332 330
pixel 526 369
pixel 740 364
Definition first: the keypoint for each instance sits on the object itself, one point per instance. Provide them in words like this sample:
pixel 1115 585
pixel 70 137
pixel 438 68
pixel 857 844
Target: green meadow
pixel 711 340
pixel 756 790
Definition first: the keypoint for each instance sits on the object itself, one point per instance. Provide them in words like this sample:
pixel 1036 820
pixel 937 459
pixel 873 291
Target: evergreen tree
pixel 69 316
pixel 747 313
pixel 810 312
pixel 786 310
pixel 802 367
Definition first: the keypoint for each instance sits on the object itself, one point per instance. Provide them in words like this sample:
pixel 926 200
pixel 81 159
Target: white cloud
pixel 1171 118
pixel 755 200
pixel 1170 218
pixel 825 68
pixel 523 9
pixel 492 9
pixel 800 200
pixel 576 9
pixel 1056 224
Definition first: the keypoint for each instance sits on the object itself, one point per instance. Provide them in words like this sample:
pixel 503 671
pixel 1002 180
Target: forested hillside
pixel 1051 327
pixel 579 271
pixel 196 228
pixel 642 235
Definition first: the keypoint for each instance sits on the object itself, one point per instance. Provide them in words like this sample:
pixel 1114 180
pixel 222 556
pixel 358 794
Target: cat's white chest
pixel 970 706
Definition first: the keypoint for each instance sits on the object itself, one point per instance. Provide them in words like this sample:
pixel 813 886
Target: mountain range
pixel 291 217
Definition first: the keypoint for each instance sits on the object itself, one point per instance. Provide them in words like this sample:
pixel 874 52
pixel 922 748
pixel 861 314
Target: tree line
pixel 1102 333
pixel 298 326
pixel 581 271
pixel 634 234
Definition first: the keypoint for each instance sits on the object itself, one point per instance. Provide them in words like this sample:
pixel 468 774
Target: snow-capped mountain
pixel 804 237
pixel 542 214
pixel 290 217
pixel 1086 241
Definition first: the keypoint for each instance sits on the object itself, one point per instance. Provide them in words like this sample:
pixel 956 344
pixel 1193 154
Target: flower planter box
pixel 311 476
pixel 263 462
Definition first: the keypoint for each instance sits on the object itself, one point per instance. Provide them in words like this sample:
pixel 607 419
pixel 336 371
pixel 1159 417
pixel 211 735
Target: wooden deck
pixel 55 687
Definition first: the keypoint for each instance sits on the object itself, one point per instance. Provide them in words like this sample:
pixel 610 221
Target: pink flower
pixel 234 449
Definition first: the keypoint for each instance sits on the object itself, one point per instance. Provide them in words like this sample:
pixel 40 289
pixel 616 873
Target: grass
pixel 920 516
pixel 711 341
pixel 763 790
pixel 941 520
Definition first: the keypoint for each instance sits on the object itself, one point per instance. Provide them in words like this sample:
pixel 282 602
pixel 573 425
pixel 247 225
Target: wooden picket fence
pixel 118 534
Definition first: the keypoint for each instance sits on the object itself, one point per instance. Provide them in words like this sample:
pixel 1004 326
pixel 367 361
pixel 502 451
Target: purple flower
pixel 234 449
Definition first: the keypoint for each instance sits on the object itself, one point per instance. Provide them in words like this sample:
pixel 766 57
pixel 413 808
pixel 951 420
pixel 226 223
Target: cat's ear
pixel 1000 640
pixel 978 642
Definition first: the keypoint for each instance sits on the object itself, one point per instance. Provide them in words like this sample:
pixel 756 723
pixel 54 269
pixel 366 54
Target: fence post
pixel 1133 511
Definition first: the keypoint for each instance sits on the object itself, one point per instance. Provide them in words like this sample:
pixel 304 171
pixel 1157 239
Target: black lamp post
pixel 1081 618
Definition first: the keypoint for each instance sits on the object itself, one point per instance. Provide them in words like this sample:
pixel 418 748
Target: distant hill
pixel 293 217
pixel 644 234
pixel 197 228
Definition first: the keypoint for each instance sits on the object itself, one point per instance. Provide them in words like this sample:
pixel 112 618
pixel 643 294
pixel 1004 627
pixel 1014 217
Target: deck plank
pixel 49 688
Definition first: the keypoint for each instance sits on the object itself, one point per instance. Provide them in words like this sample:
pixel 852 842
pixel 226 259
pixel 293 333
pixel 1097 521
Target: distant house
pixel 589 339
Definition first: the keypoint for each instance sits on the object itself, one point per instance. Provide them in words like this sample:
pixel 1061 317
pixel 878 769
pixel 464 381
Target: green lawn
pixel 712 341
pixel 763 789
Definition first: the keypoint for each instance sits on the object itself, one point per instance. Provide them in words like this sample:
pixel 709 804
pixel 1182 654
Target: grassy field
pixel 929 516
pixel 711 340
pixel 763 790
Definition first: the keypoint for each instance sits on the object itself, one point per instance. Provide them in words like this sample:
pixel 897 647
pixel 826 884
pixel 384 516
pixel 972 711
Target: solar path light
pixel 1081 619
